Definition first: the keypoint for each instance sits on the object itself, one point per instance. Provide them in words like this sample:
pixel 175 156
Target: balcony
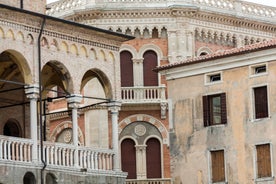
pixel 143 94
pixel 18 151
pixel 149 181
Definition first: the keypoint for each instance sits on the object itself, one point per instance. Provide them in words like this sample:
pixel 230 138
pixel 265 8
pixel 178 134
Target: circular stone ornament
pixel 140 130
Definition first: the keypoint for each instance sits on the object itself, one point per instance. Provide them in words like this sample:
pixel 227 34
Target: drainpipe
pixel 40 99
pixel 21 4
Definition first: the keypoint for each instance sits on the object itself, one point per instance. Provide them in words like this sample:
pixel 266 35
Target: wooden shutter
pixel 218 167
pixel 263 160
pixel 153 154
pixel 128 158
pixel 223 108
pixel 150 62
pixel 126 65
pixel 261 105
pixel 206 113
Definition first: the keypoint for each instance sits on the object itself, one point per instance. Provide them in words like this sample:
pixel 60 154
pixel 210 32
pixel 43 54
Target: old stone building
pixel 224 120
pixel 99 96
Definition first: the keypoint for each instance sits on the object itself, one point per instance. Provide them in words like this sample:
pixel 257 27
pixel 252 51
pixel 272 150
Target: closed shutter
pixel 206 114
pixel 261 105
pixel 128 158
pixel 223 108
pixel 218 171
pixel 126 65
pixel 150 62
pixel 263 160
pixel 153 155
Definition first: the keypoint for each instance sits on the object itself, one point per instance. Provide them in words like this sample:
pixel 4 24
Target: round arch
pixel 102 78
pixel 54 73
pixel 16 57
pixel 12 128
pixel 63 126
pixel 152 47
pixel 203 51
pixel 129 48
pixel 29 178
pixel 146 118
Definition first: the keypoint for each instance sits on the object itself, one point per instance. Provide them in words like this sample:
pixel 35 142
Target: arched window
pixel 155 33
pixel 50 179
pixel 128 158
pixel 29 178
pixel 150 62
pixel 153 154
pixel 126 69
pixel 12 128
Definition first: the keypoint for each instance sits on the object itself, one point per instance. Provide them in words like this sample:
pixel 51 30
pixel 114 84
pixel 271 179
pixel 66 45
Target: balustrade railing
pixel 143 94
pixel 241 8
pixel 149 181
pixel 15 149
pixel 56 154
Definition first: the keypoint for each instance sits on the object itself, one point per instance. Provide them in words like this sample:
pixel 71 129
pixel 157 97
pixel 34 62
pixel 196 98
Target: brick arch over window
pixel 126 65
pixel 150 62
pixel 62 126
pixel 146 118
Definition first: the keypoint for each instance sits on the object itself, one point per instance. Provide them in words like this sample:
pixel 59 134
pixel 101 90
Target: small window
pixel 263 161
pixel 260 69
pixel 214 78
pixel 261 102
pixel 218 166
pixel 214 109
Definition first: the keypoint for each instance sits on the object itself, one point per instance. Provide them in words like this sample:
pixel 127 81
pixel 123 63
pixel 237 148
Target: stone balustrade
pixel 57 155
pixel 143 94
pixel 241 8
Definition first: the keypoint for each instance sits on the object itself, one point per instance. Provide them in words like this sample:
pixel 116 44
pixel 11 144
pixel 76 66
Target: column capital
pixel 74 100
pixel 114 106
pixel 32 91
pixel 141 60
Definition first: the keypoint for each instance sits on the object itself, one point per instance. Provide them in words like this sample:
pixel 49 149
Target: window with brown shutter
pixel 261 105
pixel 126 65
pixel 263 161
pixel 218 166
pixel 214 109
pixel 128 158
pixel 150 62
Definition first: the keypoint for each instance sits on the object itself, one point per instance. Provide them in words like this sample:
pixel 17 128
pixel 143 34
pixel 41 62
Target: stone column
pixel 32 93
pixel 73 104
pixel 172 46
pixel 138 75
pixel 114 108
pixel 141 162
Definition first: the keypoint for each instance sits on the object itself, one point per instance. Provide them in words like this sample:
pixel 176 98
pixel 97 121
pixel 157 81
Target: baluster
pixel 67 157
pixel 52 155
pixel 92 161
pixel 5 149
pixel 63 153
pixel 9 150
pixel 85 159
pixel 58 156
pixel 96 161
pixel 1 150
pixel 71 157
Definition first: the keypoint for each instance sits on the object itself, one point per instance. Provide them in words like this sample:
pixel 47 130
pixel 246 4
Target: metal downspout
pixel 21 4
pixel 40 100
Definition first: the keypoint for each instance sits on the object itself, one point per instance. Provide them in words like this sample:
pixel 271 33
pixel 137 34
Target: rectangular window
pixel 261 105
pixel 218 166
pixel 260 69
pixel 263 161
pixel 214 109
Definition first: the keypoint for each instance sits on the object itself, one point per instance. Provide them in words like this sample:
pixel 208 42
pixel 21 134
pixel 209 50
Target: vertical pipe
pixel 21 4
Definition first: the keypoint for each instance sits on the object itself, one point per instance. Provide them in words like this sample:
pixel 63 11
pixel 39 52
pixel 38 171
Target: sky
pixel 264 2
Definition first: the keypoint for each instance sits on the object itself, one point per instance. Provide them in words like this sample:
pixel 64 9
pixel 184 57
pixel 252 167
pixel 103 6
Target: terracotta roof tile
pixel 222 54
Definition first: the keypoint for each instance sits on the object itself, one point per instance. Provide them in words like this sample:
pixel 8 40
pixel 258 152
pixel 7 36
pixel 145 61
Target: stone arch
pixel 111 57
pixel 102 55
pixel 30 39
pixel 54 73
pixel 203 51
pixel 54 44
pixel 74 49
pixel 20 36
pixel 12 128
pixel 44 42
pixel 51 178
pixel 64 47
pixel 63 126
pixel 102 78
pixel 83 51
pixel 152 47
pixel 21 62
pixel 93 54
pixel 10 34
pixel 146 118
pixel 2 35
pixel 131 49
pixel 29 178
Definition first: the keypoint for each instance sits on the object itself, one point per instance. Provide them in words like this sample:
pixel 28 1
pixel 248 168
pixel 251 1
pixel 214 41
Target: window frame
pixel 207 119
pixel 208 81
pixel 253 102
pixel 266 178
pixel 210 165
pixel 252 70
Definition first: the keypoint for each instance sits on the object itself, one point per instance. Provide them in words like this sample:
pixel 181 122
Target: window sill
pixel 217 125
pixel 264 179
pixel 221 182
pixel 260 119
